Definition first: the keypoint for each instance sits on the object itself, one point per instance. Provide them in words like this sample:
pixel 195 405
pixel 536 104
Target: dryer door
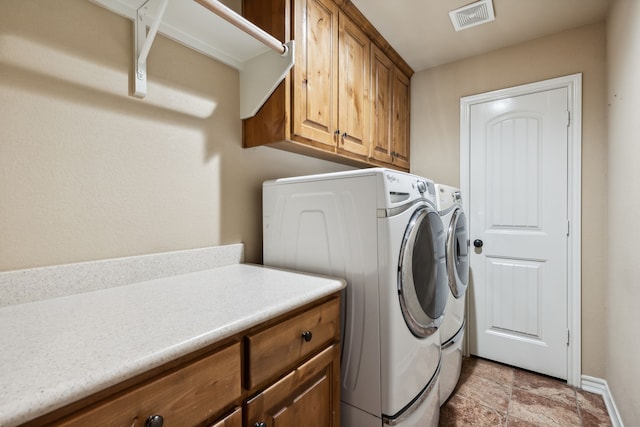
pixel 422 275
pixel 458 253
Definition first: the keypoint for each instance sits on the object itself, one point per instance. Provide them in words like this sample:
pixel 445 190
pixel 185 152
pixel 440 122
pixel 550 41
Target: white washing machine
pixel 379 230
pixel 449 204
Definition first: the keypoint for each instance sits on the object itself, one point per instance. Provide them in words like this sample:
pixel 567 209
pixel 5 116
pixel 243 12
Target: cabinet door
pixel 353 87
pixel 315 90
pixel 234 419
pixel 400 145
pixel 381 97
pixel 308 396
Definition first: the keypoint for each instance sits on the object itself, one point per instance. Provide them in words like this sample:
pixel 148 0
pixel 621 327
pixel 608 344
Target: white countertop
pixel 57 351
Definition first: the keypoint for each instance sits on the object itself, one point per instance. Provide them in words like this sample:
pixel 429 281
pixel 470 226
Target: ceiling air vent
pixel 472 14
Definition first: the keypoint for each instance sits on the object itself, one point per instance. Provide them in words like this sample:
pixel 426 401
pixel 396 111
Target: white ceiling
pixel 421 32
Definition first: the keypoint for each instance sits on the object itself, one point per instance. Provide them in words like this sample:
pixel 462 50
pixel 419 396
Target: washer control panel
pixel 402 187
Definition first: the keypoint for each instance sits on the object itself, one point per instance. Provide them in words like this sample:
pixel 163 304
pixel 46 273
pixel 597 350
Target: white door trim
pixel 573 83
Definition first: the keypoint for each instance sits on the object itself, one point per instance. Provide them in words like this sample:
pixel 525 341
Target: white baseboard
pixel 600 386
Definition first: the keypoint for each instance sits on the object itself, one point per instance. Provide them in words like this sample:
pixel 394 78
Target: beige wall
pixel 88 172
pixel 435 141
pixel 623 291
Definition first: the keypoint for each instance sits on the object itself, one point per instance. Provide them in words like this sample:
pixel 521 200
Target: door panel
pixel 518 208
pixel 400 144
pixel 353 88
pixel 512 172
pixel 515 288
pixel 315 103
pixel 381 88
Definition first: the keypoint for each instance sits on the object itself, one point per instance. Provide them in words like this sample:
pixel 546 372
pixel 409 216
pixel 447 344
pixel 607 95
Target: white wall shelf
pixel 213 30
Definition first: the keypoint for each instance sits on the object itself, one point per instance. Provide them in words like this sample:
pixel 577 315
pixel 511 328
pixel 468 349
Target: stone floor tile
pixel 591 402
pixel 461 411
pixel 594 420
pixel 542 411
pixel 490 393
pixel 493 371
pixel 544 386
pixel 516 422
pixel 493 394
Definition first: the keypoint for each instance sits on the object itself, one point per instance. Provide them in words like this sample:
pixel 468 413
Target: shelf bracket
pixel 260 76
pixel 142 45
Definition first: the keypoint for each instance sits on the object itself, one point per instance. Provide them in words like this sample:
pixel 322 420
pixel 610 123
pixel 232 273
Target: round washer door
pixel 422 275
pixel 458 253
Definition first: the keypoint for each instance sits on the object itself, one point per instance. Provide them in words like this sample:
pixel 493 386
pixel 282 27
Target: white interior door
pixel 518 213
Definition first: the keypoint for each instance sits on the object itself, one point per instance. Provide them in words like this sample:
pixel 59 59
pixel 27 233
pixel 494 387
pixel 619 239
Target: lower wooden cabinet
pixel 291 371
pixel 190 395
pixel 308 396
pixel 234 419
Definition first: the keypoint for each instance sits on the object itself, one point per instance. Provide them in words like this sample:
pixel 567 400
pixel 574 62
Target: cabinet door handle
pixel 154 421
pixel 260 424
pixel 307 335
pixel 337 132
pixel 344 135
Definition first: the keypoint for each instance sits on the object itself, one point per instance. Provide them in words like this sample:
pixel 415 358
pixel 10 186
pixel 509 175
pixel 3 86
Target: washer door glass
pixel 458 254
pixel 422 275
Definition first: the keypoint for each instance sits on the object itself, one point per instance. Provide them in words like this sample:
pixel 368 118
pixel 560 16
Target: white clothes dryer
pixel 449 204
pixel 379 230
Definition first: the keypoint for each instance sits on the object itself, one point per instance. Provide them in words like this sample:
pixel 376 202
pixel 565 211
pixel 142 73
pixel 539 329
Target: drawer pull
pixel 260 424
pixel 154 421
pixel 307 335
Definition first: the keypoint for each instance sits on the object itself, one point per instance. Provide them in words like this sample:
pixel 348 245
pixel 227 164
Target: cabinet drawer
pixel 190 395
pixel 273 350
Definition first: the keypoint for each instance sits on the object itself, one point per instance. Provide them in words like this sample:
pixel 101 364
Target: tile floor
pixel 492 394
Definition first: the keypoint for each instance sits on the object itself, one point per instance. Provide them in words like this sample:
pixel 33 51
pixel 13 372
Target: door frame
pixel 573 83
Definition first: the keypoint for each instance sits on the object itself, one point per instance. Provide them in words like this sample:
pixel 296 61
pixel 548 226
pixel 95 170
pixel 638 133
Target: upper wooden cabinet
pixel 353 88
pixel 400 116
pixel 315 78
pixel 381 95
pixel 390 111
pixel 329 105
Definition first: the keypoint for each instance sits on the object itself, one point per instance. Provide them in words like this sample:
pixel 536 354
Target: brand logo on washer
pixel 392 178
